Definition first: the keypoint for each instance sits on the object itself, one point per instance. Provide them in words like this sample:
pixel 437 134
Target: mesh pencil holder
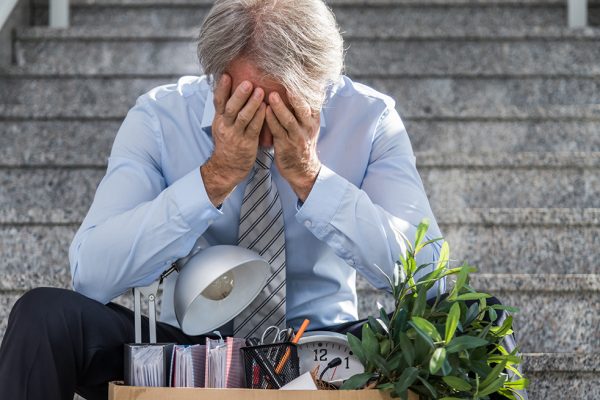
pixel 270 366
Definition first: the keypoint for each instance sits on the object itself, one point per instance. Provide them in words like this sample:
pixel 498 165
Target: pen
pixel 288 352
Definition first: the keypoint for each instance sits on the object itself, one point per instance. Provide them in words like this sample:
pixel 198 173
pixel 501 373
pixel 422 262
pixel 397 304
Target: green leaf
pixel 492 387
pixel 384 316
pixel 408 351
pixel 381 364
pixel 519 384
pixel 465 342
pixel 421 231
pixel 428 386
pixel 506 308
pixel 356 381
pixel 420 302
pixel 472 296
pixel 450 398
pixel 452 322
pixel 457 383
pixel 375 326
pixel 493 375
pixel 427 327
pixel 406 379
pixel 446 367
pixel 444 257
pixel 471 313
pixel 437 359
pixel 357 348
pixel 461 279
pixel 504 329
pixel 399 323
pixel 423 335
pixel 370 343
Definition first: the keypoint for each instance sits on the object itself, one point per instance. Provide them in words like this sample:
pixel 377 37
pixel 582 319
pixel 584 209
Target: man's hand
pixel 235 130
pixel 295 142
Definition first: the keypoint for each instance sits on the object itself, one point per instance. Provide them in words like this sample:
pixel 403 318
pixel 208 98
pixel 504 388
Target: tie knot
pixel 264 158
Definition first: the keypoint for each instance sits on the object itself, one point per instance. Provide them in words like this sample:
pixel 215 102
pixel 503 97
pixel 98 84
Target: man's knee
pixel 39 308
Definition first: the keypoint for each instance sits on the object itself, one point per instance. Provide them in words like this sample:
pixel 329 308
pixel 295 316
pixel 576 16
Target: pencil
pixel 288 352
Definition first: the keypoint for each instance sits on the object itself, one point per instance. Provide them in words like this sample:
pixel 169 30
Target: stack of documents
pixel 224 363
pixel 187 367
pixel 145 364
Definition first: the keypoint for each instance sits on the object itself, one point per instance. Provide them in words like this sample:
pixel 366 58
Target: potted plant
pixel 450 347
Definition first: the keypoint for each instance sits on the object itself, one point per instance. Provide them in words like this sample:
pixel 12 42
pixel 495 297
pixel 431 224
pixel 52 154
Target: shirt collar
pixel 209 113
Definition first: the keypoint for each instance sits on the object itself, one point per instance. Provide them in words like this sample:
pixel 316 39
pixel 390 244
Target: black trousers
pixel 59 342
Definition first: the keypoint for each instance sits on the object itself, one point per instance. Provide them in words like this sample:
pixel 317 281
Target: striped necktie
pixel 261 230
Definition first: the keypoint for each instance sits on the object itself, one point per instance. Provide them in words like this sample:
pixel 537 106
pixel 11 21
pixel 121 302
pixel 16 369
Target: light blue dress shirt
pixel 151 206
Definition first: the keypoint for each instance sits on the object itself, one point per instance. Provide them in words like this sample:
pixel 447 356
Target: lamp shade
pixel 215 285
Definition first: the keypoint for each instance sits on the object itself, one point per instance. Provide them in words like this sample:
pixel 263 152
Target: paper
pixel 224 368
pixel 188 365
pixel 303 382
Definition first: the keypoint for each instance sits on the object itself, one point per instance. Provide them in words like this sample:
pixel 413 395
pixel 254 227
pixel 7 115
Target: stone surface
pixel 515 98
pixel 438 56
pixel 354 17
pixel 474 137
pixel 67 143
pixel 59 142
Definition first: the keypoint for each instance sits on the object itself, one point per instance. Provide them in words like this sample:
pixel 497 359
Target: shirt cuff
pixel 323 201
pixel 193 203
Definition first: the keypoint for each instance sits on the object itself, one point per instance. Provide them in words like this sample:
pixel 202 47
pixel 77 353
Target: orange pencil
pixel 288 352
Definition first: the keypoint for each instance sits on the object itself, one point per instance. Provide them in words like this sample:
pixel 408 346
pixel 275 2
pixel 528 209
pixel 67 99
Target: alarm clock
pixel 320 348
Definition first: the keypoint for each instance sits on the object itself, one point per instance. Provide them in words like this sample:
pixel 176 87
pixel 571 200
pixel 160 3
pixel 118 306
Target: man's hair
pixel 294 42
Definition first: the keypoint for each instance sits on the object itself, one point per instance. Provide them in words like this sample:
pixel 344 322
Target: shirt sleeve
pixel 366 225
pixel 137 226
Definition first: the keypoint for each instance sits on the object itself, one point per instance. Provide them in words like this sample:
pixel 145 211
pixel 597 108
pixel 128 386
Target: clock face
pixel 320 348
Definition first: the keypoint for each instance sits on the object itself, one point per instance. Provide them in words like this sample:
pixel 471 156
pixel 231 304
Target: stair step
pixel 355 17
pixel 515 241
pixel 88 143
pixel 503 136
pixel 25 96
pixel 492 56
pixel 471 182
pixel 539 297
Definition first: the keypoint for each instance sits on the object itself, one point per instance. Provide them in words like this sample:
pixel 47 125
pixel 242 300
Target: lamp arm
pixel 150 293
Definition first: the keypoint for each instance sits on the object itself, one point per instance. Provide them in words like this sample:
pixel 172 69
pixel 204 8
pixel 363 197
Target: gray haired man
pixel 272 149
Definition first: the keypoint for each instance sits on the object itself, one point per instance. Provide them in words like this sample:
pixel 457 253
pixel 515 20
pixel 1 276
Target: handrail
pixel 6 8
pixel 577 13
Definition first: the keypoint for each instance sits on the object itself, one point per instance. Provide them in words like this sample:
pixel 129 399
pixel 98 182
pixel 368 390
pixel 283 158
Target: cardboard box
pixel 118 391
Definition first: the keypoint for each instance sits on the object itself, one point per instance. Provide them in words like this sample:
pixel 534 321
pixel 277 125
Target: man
pixel 192 161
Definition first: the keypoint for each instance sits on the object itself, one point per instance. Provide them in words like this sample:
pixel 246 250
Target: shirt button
pixel 351 261
pixel 307 223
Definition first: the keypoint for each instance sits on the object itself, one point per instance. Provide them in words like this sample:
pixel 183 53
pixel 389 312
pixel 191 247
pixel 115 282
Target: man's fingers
pixel 285 117
pixel 247 113
pixel 276 128
pixel 301 109
pixel 221 94
pixel 237 101
pixel 256 124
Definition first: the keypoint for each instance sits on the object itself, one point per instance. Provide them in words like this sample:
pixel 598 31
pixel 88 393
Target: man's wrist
pixel 304 185
pixel 217 185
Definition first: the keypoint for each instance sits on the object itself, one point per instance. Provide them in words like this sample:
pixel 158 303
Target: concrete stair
pixel 502 104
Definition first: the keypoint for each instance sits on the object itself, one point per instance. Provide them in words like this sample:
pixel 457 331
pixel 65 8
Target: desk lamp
pixel 214 285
